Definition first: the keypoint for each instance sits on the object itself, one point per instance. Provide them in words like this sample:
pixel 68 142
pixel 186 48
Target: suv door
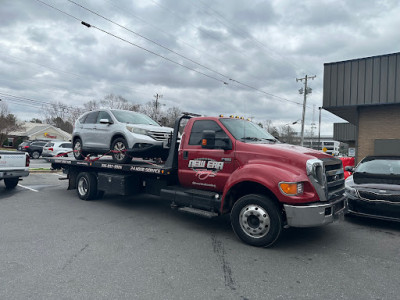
pixel 207 169
pixel 104 132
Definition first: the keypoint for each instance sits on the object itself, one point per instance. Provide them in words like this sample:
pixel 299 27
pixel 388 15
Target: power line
pixel 175 62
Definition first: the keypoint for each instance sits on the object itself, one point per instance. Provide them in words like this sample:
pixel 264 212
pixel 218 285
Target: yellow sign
pixel 324 149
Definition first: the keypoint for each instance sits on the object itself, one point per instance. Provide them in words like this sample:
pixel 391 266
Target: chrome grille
pixel 160 136
pixel 334 179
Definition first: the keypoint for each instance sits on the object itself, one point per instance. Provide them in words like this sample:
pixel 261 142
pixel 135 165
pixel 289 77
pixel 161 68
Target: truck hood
pixel 275 153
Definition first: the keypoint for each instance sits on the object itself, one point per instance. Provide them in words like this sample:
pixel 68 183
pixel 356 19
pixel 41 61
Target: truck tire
pixel 86 186
pixel 256 220
pixel 11 183
pixel 77 147
pixel 35 154
pixel 118 147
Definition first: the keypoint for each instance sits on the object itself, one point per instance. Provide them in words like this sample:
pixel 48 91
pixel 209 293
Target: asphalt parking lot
pixel 55 246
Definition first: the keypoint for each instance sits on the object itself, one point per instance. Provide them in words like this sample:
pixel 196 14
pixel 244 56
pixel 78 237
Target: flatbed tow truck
pixel 225 165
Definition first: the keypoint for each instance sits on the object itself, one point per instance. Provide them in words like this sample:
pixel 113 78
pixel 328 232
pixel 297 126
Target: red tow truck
pixel 224 165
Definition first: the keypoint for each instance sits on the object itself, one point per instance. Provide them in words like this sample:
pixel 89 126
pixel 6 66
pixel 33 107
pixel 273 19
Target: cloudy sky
pixel 204 56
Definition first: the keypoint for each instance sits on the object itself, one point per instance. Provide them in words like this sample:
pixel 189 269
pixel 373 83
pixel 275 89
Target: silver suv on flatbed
pixel 120 133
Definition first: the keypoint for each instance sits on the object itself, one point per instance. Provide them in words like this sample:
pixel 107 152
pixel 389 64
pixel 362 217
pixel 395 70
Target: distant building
pixel 37 131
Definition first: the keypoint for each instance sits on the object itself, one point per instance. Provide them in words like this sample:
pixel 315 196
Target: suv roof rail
pixel 190 114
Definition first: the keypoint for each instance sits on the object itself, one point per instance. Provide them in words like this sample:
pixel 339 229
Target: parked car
pixel 374 188
pixel 57 148
pixel 123 134
pixel 33 148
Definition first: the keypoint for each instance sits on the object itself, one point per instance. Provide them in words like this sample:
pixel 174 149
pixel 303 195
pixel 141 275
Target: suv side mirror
pixel 208 139
pixel 106 121
pixel 349 169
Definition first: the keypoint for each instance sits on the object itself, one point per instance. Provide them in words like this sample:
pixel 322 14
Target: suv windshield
pixel 388 166
pixel 130 117
pixel 246 131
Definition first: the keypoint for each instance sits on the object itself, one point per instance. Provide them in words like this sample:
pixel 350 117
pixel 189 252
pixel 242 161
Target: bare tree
pixel 287 134
pixel 8 122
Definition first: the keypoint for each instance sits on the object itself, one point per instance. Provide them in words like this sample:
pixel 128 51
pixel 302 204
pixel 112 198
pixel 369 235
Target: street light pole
pixel 319 130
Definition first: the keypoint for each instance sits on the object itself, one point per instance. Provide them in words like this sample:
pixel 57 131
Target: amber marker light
pixel 204 142
pixel 291 188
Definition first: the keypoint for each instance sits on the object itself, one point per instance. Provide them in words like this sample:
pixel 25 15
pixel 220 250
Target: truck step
pixel 198 212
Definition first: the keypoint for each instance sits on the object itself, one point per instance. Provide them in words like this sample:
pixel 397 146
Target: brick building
pixel 366 93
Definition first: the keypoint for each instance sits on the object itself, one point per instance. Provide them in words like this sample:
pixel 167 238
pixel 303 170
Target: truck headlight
pixel 137 130
pixel 291 188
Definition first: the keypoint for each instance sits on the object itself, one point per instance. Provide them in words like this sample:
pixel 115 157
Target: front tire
pixel 11 183
pixel 256 220
pixel 86 186
pixel 119 148
pixel 77 147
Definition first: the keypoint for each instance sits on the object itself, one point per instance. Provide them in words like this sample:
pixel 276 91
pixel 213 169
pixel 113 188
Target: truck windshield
pixel 247 131
pixel 130 117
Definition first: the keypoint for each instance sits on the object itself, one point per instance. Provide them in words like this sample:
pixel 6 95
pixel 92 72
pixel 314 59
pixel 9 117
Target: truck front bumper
pixel 315 214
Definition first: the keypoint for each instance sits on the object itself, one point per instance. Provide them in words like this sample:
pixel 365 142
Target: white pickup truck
pixel 13 165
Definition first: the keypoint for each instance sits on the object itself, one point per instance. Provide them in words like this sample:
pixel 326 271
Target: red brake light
pixel 26 147
pixel 51 149
pixel 27 161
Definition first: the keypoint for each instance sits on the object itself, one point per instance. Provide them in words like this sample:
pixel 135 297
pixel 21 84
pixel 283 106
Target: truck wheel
pixel 119 146
pixel 35 154
pixel 256 220
pixel 11 183
pixel 77 147
pixel 86 186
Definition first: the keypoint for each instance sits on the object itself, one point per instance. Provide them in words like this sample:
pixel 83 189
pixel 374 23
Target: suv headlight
pixel 315 168
pixel 137 130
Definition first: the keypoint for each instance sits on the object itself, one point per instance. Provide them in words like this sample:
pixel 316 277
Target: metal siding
pixel 376 80
pixel 347 83
pixel 361 82
pixel 391 79
pixel 327 86
pixel 333 91
pixel 340 84
pixel 383 85
pixel 354 82
pixel 397 92
pixel 344 132
pixel 368 81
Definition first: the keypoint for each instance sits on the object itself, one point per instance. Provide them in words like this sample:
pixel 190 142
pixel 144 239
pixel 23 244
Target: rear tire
pixel 86 186
pixel 77 147
pixel 11 183
pixel 35 154
pixel 119 148
pixel 256 220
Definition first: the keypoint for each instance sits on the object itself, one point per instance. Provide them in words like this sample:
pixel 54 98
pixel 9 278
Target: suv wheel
pixel 35 154
pixel 77 147
pixel 119 148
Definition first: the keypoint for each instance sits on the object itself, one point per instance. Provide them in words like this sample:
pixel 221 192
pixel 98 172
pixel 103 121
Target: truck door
pixel 206 169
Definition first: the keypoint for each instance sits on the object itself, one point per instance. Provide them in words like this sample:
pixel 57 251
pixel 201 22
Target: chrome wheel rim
pixel 254 221
pixel 120 148
pixel 35 155
pixel 82 186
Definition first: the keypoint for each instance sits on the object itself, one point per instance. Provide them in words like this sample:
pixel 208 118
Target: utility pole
pixel 319 130
pixel 157 96
pixel 306 91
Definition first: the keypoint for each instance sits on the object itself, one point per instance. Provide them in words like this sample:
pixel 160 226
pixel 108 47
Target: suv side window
pixel 103 115
pixel 197 131
pixel 91 118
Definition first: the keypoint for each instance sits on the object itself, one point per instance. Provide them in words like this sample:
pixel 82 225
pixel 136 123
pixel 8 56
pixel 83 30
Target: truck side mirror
pixel 208 139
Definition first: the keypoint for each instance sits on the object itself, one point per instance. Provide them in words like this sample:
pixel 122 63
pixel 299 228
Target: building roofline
pixel 357 59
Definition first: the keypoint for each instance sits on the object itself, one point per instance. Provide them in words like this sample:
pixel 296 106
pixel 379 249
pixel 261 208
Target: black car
pixel 373 190
pixel 34 148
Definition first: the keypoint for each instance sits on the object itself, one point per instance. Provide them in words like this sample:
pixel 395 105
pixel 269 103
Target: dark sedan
pixel 374 188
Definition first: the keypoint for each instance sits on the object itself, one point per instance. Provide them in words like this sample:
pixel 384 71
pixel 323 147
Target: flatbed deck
pixel 104 164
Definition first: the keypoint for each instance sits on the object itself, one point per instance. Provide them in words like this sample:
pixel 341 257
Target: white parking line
pixel 28 188
pixel 61 175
